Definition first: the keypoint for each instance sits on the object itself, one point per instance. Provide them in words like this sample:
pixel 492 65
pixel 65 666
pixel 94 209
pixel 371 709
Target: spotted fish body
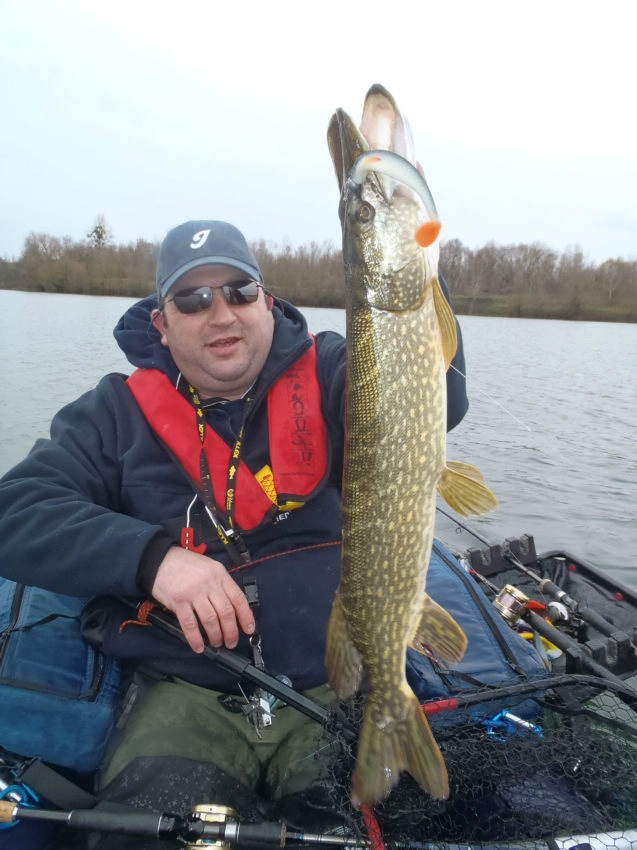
pixel 400 339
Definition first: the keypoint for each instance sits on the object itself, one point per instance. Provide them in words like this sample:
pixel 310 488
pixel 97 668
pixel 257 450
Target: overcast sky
pixel 151 113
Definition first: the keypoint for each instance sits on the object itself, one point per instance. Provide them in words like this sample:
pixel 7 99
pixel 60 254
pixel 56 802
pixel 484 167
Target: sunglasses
pixel 198 299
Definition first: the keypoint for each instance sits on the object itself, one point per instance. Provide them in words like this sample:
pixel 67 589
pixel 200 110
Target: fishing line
pixel 464 526
pixel 492 399
pixel 556 436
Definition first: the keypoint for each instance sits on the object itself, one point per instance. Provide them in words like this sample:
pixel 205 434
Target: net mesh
pixel 571 771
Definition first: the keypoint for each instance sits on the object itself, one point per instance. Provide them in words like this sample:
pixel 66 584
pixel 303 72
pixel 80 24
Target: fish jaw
pixel 385 268
pixel 384 126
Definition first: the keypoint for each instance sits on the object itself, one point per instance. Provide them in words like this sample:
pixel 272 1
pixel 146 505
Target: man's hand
pixel 200 591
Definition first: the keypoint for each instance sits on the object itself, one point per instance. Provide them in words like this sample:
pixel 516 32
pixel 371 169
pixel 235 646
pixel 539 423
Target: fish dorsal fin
pixel 447 323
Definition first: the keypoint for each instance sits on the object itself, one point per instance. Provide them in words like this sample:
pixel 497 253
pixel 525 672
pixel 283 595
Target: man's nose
pixel 219 310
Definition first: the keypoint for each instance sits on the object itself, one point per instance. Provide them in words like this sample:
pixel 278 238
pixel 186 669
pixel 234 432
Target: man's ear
pixel 158 322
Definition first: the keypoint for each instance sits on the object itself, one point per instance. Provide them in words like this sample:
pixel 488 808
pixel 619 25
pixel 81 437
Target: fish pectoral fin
pixel 463 489
pixel 388 746
pixel 342 660
pixel 447 323
pixel 439 632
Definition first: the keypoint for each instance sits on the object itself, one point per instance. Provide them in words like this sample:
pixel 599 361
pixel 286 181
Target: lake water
pixel 551 423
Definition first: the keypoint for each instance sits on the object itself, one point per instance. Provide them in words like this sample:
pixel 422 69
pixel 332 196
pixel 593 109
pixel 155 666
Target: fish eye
pixel 366 212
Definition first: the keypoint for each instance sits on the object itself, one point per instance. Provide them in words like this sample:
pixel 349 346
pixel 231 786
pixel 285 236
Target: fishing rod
pixel 533 687
pixel 574 650
pixel 205 823
pixel 516 606
pixel 219 826
pixel 548 588
pixel 235 663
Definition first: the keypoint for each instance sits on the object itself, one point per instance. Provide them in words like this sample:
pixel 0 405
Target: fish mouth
pixel 382 127
pixel 381 152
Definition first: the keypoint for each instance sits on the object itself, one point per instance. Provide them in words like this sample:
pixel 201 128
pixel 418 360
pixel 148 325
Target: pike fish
pixel 401 337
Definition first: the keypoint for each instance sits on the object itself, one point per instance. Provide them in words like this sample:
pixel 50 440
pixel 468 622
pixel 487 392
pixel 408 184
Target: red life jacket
pixel 297 442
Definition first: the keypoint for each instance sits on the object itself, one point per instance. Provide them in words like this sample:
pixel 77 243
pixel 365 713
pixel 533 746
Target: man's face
pixel 220 350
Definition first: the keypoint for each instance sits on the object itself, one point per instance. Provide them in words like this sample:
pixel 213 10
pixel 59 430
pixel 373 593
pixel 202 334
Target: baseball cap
pixel 201 243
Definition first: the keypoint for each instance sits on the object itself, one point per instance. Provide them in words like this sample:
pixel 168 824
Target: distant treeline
pixel 514 280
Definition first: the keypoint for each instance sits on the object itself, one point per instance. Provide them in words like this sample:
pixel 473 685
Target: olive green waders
pixel 175 718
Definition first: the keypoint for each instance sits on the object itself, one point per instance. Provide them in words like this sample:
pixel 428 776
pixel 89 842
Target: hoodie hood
pixel 141 342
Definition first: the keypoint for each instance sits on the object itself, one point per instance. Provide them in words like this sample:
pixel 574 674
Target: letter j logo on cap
pixel 199 238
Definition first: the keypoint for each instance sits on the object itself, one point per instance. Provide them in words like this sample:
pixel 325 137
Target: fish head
pixel 385 203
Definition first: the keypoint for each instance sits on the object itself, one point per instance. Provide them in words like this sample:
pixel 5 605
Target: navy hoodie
pixel 92 511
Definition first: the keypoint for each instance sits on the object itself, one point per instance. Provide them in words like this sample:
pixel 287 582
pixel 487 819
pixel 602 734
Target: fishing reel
pixel 214 821
pixel 212 825
pixel 511 603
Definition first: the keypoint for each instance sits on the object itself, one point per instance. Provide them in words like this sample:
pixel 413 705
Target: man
pixel 208 481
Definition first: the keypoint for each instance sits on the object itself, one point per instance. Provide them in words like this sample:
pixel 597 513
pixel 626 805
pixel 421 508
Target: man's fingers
pixel 219 619
pixel 219 622
pixel 203 596
pixel 242 610
pixel 190 627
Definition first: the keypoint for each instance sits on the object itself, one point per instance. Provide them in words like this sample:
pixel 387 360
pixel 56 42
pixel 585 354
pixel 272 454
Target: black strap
pixel 251 590
pixel 231 539
pixel 59 790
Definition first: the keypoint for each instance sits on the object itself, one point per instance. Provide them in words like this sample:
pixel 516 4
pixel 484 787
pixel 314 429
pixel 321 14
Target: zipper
pixel 14 613
pixel 99 671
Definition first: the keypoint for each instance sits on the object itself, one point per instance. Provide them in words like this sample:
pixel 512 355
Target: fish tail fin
pixel 384 750
pixel 342 660
pixel 462 487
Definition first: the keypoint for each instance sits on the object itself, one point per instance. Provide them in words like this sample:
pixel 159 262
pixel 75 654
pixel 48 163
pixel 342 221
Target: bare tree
pixel 101 235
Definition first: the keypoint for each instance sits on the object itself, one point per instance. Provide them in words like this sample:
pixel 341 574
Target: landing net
pixel 565 776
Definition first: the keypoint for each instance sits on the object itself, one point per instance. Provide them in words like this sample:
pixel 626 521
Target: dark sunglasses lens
pixel 245 293
pixel 193 300
pixel 197 300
